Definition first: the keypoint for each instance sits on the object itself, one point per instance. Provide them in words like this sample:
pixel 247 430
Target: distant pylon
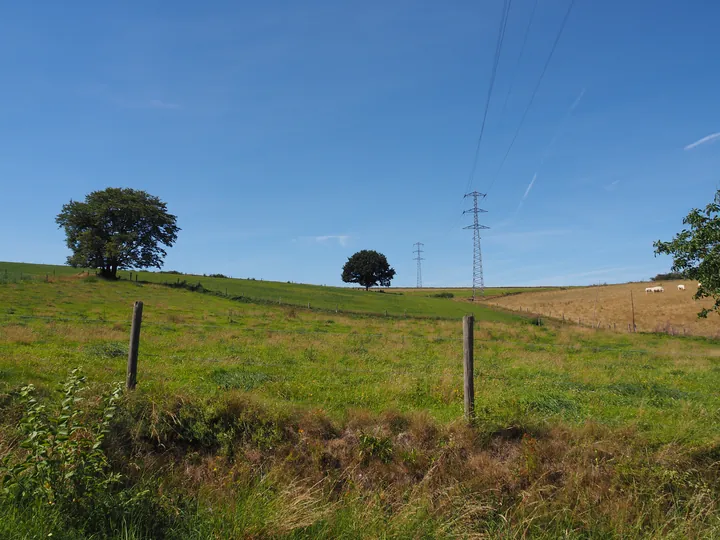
pixel 478 281
pixel 418 251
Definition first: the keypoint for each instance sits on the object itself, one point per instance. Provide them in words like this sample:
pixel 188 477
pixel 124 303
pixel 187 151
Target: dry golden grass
pixel 609 305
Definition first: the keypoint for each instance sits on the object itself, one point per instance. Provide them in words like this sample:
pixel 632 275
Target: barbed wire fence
pixel 467 346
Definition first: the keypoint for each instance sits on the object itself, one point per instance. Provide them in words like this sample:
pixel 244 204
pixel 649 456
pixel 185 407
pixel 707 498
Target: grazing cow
pixel 659 289
pixel 681 287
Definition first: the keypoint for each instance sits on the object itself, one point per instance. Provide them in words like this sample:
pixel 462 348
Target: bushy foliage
pixel 696 251
pixel 368 268
pixel 442 295
pixel 117 228
pixel 60 465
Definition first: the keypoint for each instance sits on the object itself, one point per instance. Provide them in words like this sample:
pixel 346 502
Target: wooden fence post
pixel 131 380
pixel 632 303
pixel 468 386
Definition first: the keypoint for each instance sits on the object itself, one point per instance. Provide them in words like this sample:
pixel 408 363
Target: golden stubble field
pixel 610 305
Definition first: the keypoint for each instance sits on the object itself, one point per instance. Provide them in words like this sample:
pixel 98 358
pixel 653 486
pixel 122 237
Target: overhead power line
pixel 496 60
pixel 535 91
pixel 520 57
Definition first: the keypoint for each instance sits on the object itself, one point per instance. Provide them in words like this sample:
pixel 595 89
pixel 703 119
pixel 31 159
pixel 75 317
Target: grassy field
pixel 344 299
pixel 672 311
pixel 270 421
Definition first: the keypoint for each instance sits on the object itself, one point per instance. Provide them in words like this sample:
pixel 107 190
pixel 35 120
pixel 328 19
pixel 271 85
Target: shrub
pixel 218 275
pixel 668 276
pixel 442 295
pixel 62 465
pixel 372 447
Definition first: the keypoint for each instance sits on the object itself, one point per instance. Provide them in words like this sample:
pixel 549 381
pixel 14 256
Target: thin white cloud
pixel 612 185
pixel 551 145
pixel 341 239
pixel 159 104
pixel 527 192
pixel 577 100
pixel 530 185
pixel 704 140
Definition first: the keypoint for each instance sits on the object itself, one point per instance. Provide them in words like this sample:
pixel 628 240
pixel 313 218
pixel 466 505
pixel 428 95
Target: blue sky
pixel 287 135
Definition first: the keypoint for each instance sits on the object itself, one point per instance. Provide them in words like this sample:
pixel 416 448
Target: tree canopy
pixel 696 251
pixel 368 268
pixel 117 228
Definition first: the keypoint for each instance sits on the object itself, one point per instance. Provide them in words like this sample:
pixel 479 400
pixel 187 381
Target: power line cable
pixel 520 57
pixel 493 74
pixel 532 97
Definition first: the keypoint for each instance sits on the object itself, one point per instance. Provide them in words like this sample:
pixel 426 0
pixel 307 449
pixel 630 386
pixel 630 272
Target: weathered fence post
pixel 337 308
pixel 468 386
pixel 308 305
pixel 632 303
pixel 131 380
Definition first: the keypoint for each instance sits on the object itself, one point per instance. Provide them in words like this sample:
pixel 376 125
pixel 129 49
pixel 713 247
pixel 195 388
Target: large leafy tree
pixel 696 251
pixel 117 228
pixel 368 268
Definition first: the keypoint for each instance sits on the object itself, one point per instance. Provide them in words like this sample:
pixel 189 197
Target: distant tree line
pixel 668 276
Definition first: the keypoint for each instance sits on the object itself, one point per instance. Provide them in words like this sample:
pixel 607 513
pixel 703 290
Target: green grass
pixel 206 345
pixel 344 299
pixel 273 421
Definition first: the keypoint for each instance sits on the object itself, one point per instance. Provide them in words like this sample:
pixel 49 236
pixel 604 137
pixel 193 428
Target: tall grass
pixel 267 421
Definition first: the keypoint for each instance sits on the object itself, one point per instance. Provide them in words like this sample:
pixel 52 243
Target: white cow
pixel 648 289
pixel 659 289
pixel 681 287
pixel 654 289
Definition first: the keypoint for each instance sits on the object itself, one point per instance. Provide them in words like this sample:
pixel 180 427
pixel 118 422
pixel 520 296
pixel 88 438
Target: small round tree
pixel 117 228
pixel 368 268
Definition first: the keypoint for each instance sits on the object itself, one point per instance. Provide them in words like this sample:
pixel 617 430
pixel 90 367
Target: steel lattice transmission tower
pixel 478 281
pixel 418 251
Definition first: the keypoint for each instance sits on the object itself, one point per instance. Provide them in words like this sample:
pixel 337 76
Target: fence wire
pixel 479 343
